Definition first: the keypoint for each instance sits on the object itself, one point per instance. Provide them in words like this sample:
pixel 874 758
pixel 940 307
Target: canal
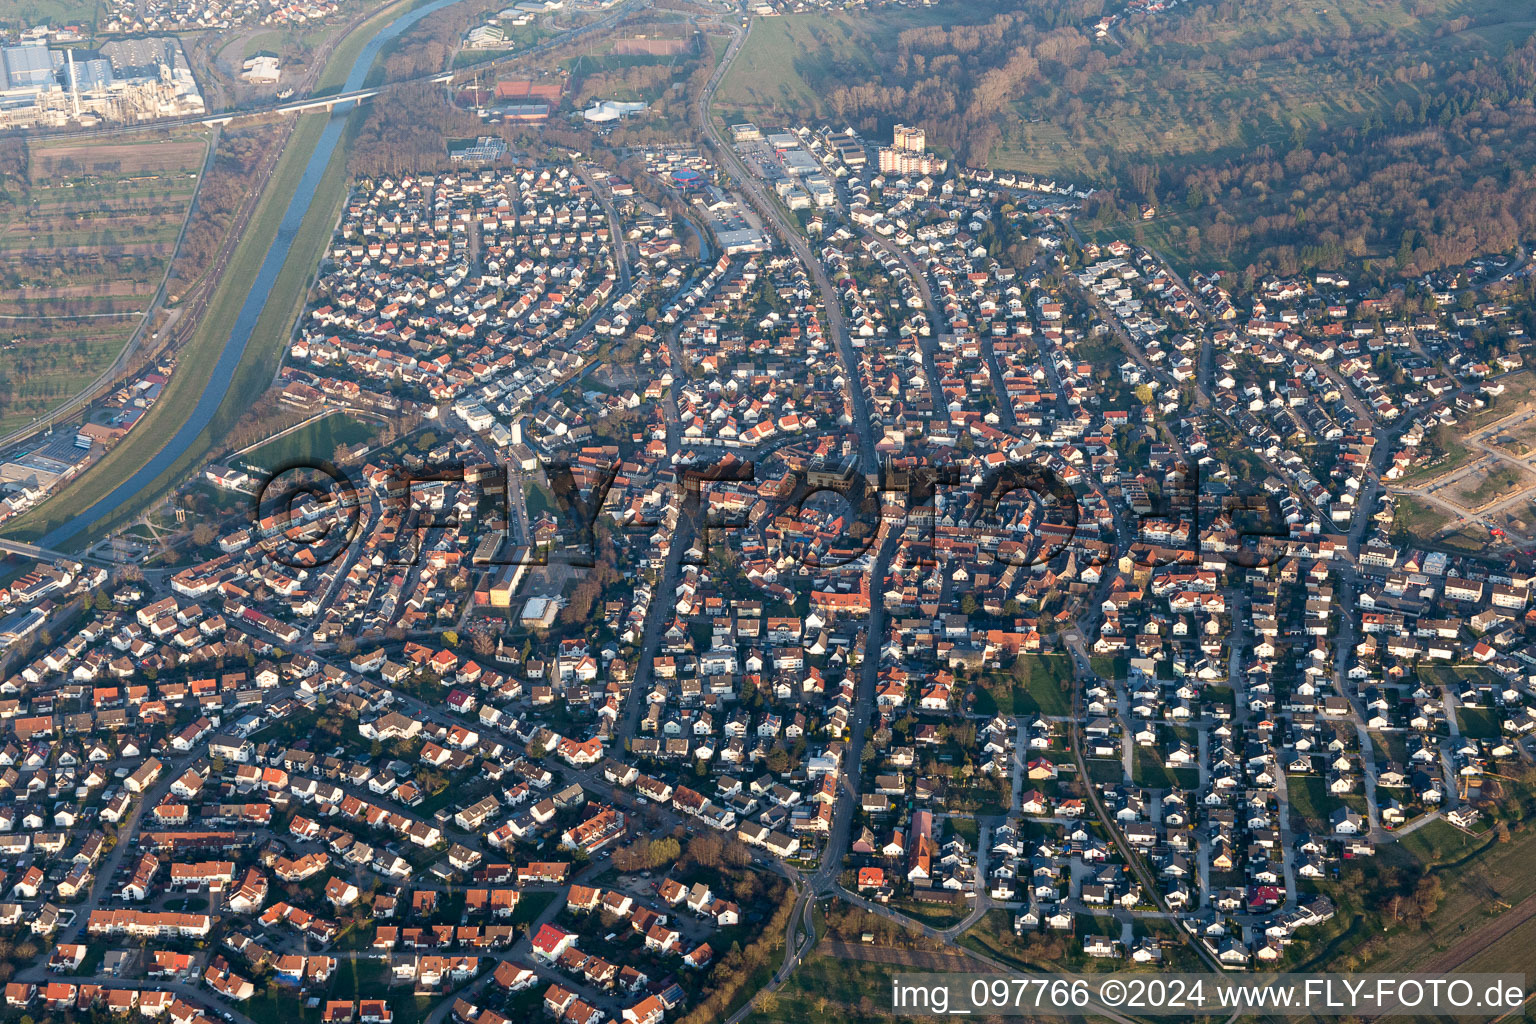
pixel 261 289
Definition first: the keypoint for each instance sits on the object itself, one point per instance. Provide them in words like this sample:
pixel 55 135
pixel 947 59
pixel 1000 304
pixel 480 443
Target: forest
pixel 1394 135
pixel 1427 186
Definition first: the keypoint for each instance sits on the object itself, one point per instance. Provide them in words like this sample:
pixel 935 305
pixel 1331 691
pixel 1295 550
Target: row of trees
pixel 742 966
pixel 225 188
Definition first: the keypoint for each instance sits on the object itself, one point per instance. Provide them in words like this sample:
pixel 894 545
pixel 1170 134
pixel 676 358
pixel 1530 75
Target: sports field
pixel 317 440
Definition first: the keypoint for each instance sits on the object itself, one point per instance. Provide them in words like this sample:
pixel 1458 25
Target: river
pixel 261 289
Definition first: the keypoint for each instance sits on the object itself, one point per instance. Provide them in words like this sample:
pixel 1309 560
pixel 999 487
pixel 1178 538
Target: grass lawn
pixel 1043 684
pixel 530 905
pixel 1412 518
pixel 966 828
pixel 1454 675
pixel 826 988
pixel 95 953
pixel 1478 723
pixel 1147 769
pixel 316 440
pixel 1437 843
pixel 1311 801
pixel 1106 771
pixel 938 915
pixel 1110 668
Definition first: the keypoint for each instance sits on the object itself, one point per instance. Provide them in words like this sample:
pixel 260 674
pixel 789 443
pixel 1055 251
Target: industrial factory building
pixel 124 80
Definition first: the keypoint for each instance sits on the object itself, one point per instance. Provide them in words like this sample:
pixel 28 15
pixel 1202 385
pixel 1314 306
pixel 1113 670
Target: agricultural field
pixel 1292 91
pixel 87 230
pixel 198 357
pixel 23 14
pixel 1515 951
pixel 1487 889
pixel 1212 109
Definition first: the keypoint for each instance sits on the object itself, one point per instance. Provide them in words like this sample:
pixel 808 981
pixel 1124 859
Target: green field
pixel 1412 518
pixel 1110 668
pixel 87 233
pixel 1452 675
pixel 1437 843
pixel 1310 801
pixel 1147 769
pixel 317 440
pixel 1106 771
pixel 786 62
pixel 935 915
pixel 531 905
pixel 1036 684
pixel 1478 723
pixel 23 14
